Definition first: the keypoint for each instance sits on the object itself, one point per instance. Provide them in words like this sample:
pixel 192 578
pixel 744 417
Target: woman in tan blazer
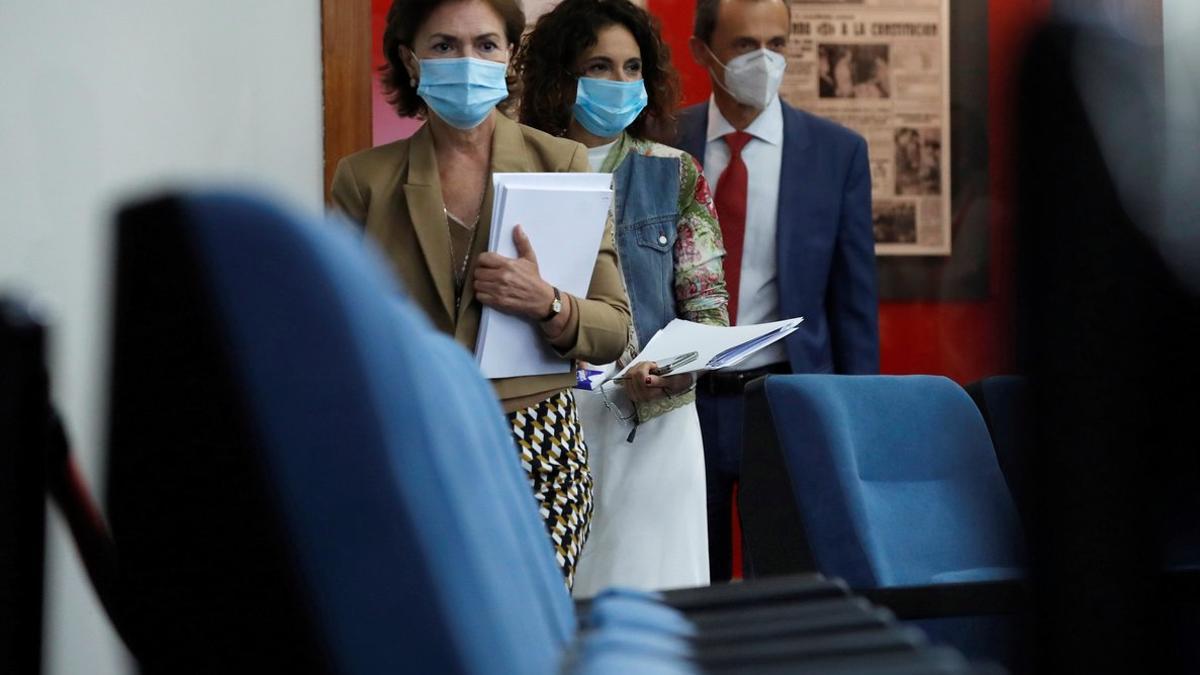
pixel 427 202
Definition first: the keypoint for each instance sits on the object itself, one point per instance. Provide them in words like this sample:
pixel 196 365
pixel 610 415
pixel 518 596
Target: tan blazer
pixel 394 192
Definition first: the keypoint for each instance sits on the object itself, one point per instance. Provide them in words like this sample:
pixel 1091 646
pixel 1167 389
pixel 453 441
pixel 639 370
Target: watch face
pixel 556 306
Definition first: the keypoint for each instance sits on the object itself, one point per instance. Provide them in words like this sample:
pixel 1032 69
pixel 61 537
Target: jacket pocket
pixel 658 234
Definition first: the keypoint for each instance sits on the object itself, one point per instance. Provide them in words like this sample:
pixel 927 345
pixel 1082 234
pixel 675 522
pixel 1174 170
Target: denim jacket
pixel 646 211
pixel 668 242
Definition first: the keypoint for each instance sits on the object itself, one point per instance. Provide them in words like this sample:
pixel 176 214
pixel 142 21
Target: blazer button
pixel 662 239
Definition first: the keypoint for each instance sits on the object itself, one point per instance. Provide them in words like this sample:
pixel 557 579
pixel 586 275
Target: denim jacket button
pixel 662 239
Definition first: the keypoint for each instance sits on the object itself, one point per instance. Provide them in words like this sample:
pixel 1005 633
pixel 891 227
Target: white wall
pixel 101 100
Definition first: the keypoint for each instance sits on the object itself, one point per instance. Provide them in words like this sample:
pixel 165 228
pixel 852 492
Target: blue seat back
pixel 389 459
pixel 895 479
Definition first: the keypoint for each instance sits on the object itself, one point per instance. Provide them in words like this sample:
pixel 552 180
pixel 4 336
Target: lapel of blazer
pixel 693 134
pixel 423 193
pixel 509 155
pixel 795 187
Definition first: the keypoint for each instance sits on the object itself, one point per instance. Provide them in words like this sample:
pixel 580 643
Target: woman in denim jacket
pixel 597 71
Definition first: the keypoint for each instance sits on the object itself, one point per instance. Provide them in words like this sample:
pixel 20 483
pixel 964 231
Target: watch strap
pixel 555 306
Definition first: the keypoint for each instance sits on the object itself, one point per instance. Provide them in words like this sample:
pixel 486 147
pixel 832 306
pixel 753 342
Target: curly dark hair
pixel 404 19
pixel 547 61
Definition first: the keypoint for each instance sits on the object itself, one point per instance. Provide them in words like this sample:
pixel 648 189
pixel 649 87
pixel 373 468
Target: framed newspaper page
pixel 881 67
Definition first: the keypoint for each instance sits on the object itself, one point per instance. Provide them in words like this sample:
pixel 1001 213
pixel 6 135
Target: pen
pixel 672 364
pixel 675 363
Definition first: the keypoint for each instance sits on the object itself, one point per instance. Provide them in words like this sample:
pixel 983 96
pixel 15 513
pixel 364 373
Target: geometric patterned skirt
pixel 554 457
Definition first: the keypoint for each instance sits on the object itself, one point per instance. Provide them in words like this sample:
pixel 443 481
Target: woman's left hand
pixel 513 285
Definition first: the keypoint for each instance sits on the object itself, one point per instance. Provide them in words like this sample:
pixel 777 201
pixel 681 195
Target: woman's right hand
pixel 513 285
pixel 642 385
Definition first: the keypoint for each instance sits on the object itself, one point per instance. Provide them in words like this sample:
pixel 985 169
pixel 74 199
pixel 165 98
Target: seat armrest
pixel 797 650
pixel 698 602
pixel 929 661
pixel 755 593
pixel 847 618
pixel 1009 596
pixel 718 620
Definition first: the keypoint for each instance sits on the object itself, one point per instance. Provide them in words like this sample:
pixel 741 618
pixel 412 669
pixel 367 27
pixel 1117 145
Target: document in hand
pixel 716 347
pixel 563 214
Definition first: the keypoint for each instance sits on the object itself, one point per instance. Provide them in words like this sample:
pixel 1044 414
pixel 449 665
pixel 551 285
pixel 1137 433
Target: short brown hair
pixel 404 19
pixel 706 19
pixel 547 61
pixel 705 23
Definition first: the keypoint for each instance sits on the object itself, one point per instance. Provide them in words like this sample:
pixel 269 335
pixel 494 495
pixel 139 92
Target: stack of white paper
pixel 563 214
pixel 716 347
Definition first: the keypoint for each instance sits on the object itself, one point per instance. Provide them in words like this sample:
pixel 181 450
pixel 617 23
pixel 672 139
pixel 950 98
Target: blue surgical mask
pixel 462 91
pixel 605 107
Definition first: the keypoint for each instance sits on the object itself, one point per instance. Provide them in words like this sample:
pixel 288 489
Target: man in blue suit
pixel 793 193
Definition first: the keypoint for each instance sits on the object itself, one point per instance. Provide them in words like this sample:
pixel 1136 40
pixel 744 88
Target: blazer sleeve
pixel 852 296
pixel 346 194
pixel 599 326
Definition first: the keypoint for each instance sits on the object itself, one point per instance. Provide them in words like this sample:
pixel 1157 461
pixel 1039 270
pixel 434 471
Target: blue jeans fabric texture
pixel 647 214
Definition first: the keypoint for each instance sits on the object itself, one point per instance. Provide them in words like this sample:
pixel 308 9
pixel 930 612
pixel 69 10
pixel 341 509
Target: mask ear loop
pixel 412 80
pixel 720 82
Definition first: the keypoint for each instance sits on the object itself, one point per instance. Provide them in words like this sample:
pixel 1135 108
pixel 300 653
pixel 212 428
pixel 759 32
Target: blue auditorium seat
pixel 896 479
pixel 896 489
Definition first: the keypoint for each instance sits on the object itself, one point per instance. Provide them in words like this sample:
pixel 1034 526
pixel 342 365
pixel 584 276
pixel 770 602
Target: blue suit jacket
pixel 824 241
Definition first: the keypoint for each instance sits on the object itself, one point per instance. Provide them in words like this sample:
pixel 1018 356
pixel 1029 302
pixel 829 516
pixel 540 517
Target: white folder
pixel 714 347
pixel 563 214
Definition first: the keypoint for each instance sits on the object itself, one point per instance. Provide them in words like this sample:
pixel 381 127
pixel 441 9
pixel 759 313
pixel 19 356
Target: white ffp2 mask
pixel 754 78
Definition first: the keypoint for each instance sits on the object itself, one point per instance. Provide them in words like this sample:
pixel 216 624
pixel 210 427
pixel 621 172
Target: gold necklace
pixel 460 271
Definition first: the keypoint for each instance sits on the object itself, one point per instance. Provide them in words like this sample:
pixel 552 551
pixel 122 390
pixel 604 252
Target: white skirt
pixel 649 525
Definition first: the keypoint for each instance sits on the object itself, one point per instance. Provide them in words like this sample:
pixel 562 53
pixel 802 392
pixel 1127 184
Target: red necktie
pixel 730 201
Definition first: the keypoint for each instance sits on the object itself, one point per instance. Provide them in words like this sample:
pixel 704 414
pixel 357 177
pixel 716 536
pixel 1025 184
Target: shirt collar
pixel 768 126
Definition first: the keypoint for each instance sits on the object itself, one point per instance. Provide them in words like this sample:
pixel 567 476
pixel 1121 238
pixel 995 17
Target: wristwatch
pixel 555 307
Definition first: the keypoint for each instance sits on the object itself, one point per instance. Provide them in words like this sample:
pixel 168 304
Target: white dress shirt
pixel 758 290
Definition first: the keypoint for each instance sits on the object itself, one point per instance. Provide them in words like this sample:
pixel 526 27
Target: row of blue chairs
pixel 917 493
pixel 297 458
pixel 305 476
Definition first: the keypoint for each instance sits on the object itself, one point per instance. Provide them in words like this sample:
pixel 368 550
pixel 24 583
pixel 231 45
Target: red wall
pixel 962 340
pixel 386 126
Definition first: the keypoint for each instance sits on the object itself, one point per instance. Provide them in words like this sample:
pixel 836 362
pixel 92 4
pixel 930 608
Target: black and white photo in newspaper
pixel 881 67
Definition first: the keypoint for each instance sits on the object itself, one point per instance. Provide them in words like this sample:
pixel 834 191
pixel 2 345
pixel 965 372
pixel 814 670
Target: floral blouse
pixel 700 293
